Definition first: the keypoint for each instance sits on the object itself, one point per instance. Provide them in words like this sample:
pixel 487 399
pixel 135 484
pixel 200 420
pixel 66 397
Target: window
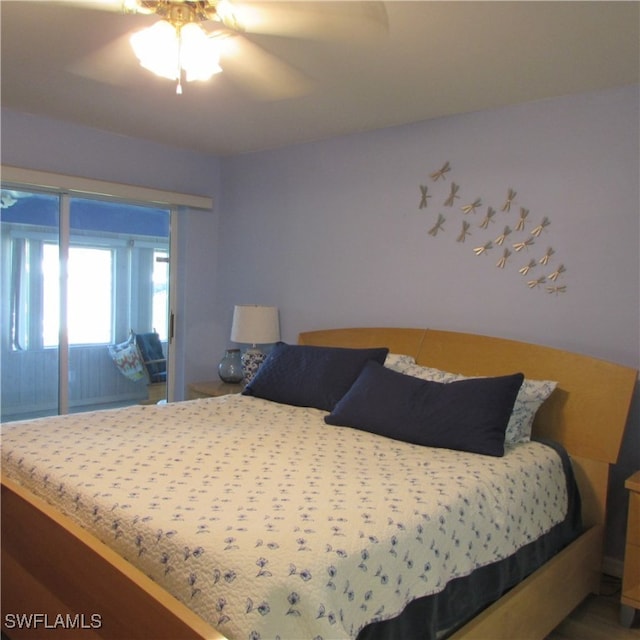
pixel 117 270
pixel 160 293
pixel 116 249
pixel 90 295
pixel 81 273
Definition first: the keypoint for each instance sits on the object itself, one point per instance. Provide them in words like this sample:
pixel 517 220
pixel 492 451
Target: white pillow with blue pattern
pixel 398 361
pixel 530 397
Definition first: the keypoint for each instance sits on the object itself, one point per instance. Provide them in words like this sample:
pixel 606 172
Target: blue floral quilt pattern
pixel 269 523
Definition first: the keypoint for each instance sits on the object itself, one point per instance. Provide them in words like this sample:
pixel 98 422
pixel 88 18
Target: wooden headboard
pixel 587 412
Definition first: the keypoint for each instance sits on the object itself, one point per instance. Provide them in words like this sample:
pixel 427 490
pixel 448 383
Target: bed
pixel 56 568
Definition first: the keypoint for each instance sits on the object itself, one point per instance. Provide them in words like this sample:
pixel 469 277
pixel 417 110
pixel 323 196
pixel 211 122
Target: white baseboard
pixel 612 566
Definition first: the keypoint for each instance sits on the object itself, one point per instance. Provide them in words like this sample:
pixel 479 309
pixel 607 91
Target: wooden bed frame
pixel 587 413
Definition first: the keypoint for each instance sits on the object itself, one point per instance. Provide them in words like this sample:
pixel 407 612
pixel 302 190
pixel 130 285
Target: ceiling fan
pixel 195 39
pixel 177 44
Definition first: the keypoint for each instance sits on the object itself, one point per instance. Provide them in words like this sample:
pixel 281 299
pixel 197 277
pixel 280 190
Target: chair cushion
pixel 151 349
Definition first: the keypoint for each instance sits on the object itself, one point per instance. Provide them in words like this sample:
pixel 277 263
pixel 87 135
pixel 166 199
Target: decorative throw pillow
pixel 310 376
pixel 530 398
pixel 468 415
pixel 127 358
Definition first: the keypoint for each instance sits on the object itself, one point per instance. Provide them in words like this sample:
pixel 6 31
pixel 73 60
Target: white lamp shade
pixel 255 324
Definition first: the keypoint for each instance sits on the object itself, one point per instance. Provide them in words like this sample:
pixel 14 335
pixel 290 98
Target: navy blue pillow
pixel 310 376
pixel 467 415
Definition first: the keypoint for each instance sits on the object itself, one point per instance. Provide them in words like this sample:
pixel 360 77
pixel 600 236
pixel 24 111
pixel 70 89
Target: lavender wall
pixel 59 147
pixel 331 232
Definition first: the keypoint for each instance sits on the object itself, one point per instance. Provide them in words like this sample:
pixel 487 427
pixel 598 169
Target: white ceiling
pixel 367 70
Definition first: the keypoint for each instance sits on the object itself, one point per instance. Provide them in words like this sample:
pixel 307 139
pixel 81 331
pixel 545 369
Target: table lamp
pixel 254 325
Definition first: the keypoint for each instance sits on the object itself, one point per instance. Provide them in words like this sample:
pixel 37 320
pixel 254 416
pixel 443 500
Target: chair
pixel 155 364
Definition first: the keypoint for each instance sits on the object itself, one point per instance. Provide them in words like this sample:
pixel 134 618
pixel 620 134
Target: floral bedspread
pixel 269 523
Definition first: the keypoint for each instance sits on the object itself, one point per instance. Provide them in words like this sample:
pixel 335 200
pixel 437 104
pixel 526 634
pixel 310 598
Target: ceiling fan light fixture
pixel 167 50
pixel 199 55
pixel 157 49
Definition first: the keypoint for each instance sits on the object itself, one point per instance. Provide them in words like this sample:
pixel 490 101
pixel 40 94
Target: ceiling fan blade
pixel 96 5
pixel 317 20
pixel 114 63
pixel 259 73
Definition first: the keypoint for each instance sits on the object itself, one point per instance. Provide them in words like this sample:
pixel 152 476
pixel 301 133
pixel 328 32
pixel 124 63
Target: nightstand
pixel 211 389
pixel 631 579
